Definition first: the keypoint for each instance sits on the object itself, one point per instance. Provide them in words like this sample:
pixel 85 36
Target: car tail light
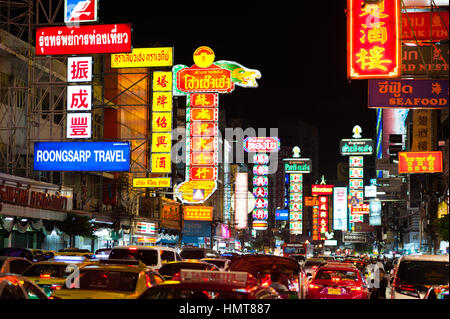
pixel 312 286
pixel 55 287
pixel 44 276
pixel 404 288
pixel 176 276
pixel 355 289
pixel 132 248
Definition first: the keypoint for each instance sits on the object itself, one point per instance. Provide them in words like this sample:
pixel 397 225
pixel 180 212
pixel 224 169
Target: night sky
pixel 300 51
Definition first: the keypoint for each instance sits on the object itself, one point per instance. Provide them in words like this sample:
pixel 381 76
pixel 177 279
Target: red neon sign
pixel 373 39
pixel 84 39
pixel 419 162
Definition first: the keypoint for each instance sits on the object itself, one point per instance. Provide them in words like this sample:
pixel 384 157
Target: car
pixel 437 292
pixel 14 265
pixel 172 268
pixel 337 280
pixel 327 257
pixel 152 256
pixel 17 252
pixel 13 286
pixel 52 274
pixel 416 273
pixel 205 284
pixel 42 255
pixel 109 279
pixel 197 253
pixel 263 267
pixel 312 264
pixel 102 253
pixel 358 263
pixel 221 263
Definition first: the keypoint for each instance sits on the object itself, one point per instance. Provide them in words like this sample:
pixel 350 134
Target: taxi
pixel 266 267
pixel 51 275
pixel 110 279
pixel 338 281
pixel 207 284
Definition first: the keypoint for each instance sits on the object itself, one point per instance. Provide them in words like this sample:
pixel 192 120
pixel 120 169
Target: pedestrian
pixel 276 282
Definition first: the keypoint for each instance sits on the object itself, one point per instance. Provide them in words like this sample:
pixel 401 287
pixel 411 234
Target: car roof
pixel 125 268
pixel 145 247
pixel 441 258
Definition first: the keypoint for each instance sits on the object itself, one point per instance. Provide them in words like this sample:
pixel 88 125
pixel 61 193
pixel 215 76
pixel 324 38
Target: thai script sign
pixel 82 156
pixel 322 189
pixel 419 162
pixel 27 197
pixel 213 79
pixel 261 144
pixel 425 26
pixel 356 147
pixel 427 94
pixel 425 60
pixel 373 39
pixel 354 237
pixel 143 58
pixel 204 213
pixel 84 39
pixel 151 182
pixel 297 165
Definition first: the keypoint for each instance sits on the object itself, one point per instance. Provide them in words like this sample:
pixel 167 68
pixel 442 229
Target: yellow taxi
pixel 51 275
pixel 110 279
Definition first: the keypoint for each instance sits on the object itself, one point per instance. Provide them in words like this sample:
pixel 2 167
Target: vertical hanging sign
pixel 79 97
pixel 161 122
pixel 295 167
pixel 373 39
pixel 201 84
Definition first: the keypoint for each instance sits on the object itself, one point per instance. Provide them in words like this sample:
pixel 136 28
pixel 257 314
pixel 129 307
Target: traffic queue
pixel 157 272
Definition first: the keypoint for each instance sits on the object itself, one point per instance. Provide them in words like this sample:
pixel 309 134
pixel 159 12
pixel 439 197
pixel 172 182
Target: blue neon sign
pixel 82 156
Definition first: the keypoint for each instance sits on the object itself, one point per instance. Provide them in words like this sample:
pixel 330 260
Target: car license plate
pixel 332 291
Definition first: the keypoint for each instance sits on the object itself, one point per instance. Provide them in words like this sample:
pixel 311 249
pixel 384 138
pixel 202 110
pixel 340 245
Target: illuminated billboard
pixel 82 156
pixel 80 11
pixel 84 39
pixel 340 208
pixel 241 200
pixel 143 58
pixel 419 162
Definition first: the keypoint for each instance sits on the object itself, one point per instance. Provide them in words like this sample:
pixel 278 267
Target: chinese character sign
pixel 79 98
pixel 295 203
pixel 261 193
pixel 161 122
pixel 79 69
pixel 373 39
pixel 79 125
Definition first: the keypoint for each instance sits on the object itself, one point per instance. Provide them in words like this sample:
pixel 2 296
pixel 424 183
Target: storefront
pixel 30 211
pixel 169 231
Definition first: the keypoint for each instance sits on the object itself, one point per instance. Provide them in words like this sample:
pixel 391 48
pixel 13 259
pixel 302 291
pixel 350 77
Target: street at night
pixel 203 150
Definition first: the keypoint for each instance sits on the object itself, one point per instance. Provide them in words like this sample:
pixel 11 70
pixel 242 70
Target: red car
pixel 337 281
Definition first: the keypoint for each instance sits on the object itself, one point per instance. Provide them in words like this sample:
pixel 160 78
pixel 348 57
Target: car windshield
pixel 337 275
pixel 171 269
pixel 108 280
pixel 218 263
pixel 147 256
pixel 60 271
pixel 176 293
pixel 423 272
pixel 192 254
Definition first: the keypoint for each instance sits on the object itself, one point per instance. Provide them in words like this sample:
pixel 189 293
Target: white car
pixel 152 256
pixel 416 273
